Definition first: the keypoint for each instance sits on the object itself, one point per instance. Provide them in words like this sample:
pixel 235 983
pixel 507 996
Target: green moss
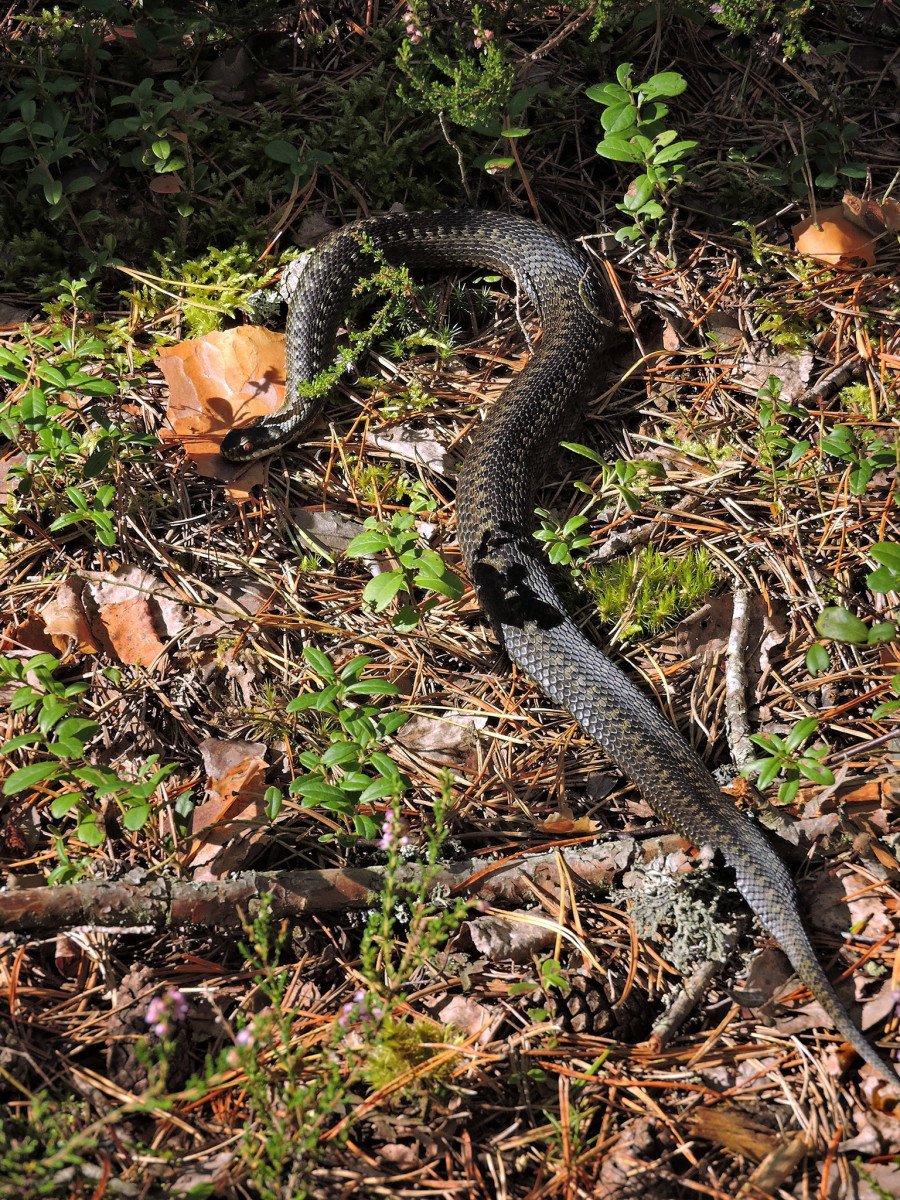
pixel 644 592
pixel 404 1046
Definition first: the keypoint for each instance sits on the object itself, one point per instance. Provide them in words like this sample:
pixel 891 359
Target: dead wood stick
pixel 225 903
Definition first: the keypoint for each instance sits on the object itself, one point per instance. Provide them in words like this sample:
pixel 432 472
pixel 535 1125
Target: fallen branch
pixel 158 904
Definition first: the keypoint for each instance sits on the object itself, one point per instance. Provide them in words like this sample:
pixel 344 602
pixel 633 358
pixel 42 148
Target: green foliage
pixel 778 450
pixel 414 919
pixel 283 1140
pixel 405 1045
pixel 888 707
pixel 840 625
pixel 887 577
pixel 40 1145
pixel 643 592
pixel 467 77
pixel 351 771
pixel 565 544
pixel 633 121
pixel 863 450
pixel 818 660
pixel 785 757
pixel 417 566
pixel 373 134
pixel 209 288
pixel 60 739
pixel 818 159
pixel 62 441
pixel 621 480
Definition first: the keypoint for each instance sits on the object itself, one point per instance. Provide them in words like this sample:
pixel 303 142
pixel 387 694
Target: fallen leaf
pixel 414 444
pixel 15 459
pixel 223 825
pixel 129 620
pixel 830 238
pixel 568 826
pixel 445 741
pixel 474 1019
pixel 872 216
pixel 66 621
pixel 758 362
pixel 508 940
pixel 724 329
pixel 733 1129
pixel 166 185
pixel 13 315
pixel 29 635
pixel 329 530
pixel 217 382
pixel 401 1157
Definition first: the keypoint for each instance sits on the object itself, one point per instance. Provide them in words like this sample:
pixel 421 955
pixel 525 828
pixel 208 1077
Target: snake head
pixel 239 445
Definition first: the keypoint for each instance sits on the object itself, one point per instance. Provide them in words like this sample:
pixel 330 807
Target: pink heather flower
pixel 244 1037
pixel 164 1012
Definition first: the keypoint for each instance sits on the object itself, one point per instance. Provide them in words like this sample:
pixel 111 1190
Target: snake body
pixel 495 517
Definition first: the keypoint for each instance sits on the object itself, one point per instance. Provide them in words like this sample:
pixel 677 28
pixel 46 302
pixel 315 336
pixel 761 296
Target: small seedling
pixel 351 771
pixel 418 567
pixel 783 757
pixel 634 132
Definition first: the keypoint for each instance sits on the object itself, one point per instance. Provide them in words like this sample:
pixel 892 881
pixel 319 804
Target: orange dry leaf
pixel 874 216
pixel 832 239
pixel 66 622
pixel 216 382
pixel 127 617
pixel 236 784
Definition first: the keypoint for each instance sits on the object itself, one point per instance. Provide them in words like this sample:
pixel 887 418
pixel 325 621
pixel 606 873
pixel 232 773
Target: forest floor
pixel 307 891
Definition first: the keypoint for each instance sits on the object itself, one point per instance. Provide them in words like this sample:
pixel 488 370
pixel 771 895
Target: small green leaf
pixel 770 769
pixel 373 687
pixel 495 164
pixel 619 150
pixel 515 133
pixel 27 777
pixel 815 772
pixel 61 804
pixel 339 753
pixel 788 791
pixel 801 732
pixel 136 818
pixel 281 151
pixel 273 799
pixel 53 190
pixel 840 625
pixel 884 631
pixel 608 93
pixel 888 554
pixel 818 660
pixel 316 791
pixel 618 118
pixel 90 832
pixel 369 542
pixel 319 662
pixel 666 83
pixel 884 580
pixel 675 152
pixel 380 591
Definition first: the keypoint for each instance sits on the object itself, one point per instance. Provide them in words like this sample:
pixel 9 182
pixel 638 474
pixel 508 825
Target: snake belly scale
pixel 495 518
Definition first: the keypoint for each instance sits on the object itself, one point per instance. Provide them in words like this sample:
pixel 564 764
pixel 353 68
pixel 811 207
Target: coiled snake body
pixel 495 515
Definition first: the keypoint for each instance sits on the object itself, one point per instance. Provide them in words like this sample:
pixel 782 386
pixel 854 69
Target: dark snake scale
pixel 516 446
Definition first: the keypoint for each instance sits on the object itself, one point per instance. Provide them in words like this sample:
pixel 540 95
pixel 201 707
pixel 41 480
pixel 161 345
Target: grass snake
pixel 516 445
